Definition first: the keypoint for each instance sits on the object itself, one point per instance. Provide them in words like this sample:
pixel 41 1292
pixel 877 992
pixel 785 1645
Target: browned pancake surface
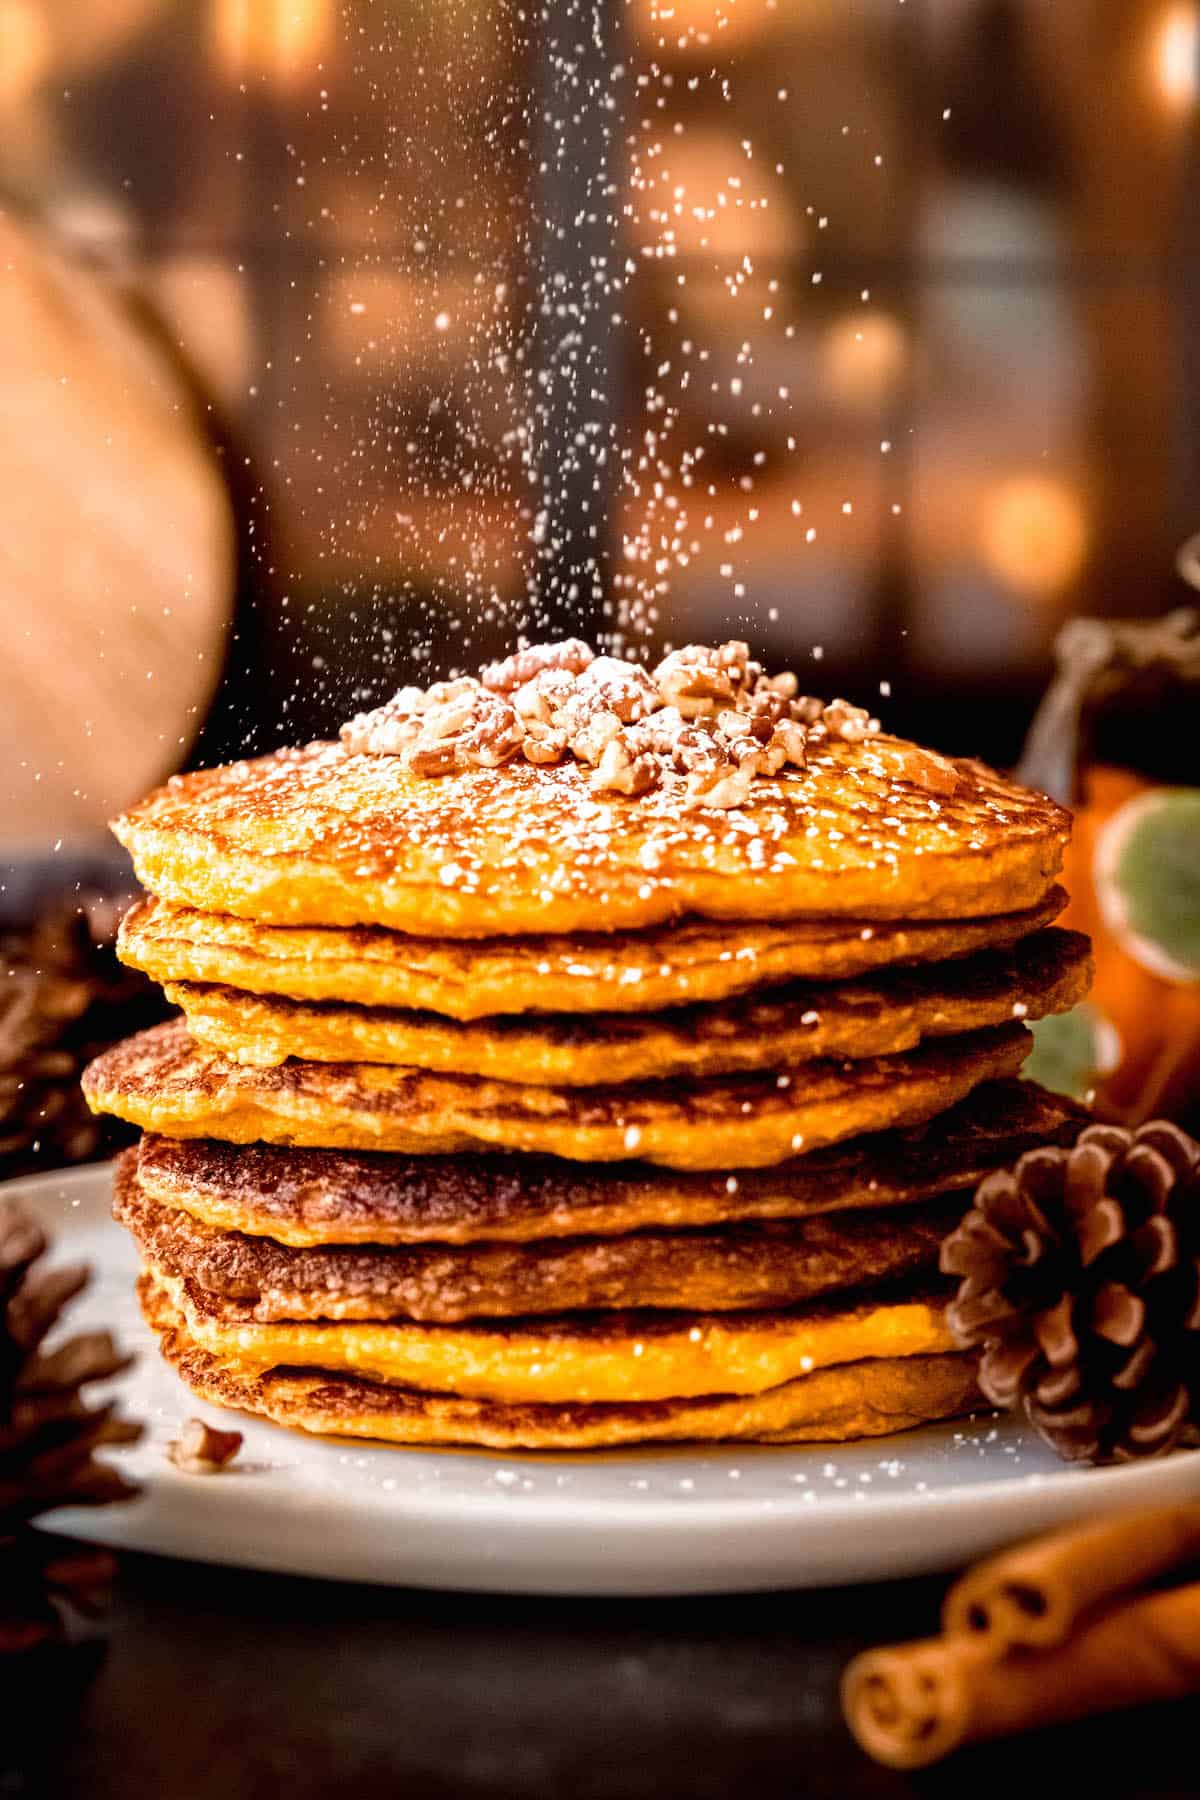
pixel 162 1082
pixel 772 1028
pixel 639 971
pixel 835 1405
pixel 732 1267
pixel 306 1197
pixel 322 837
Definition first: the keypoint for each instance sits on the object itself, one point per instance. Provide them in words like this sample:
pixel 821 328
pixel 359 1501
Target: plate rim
pixel 661 1536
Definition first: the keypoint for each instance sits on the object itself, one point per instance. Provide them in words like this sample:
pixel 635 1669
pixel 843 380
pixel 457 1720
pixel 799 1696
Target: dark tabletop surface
pixel 221 1684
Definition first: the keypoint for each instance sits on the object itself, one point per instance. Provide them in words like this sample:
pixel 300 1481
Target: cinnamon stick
pixel 1035 1595
pixel 913 1704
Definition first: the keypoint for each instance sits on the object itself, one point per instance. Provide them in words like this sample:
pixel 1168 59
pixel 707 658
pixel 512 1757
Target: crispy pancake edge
pixel 731 1268
pixel 837 1405
pixel 317 836
pixel 158 1080
pixel 773 1028
pixel 470 979
pixel 305 1197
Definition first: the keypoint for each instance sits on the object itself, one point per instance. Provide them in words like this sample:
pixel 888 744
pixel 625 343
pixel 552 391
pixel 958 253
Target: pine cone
pixel 1081 1283
pixel 65 997
pixel 48 1438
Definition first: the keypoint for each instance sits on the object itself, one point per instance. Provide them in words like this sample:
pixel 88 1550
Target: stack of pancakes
pixel 507 1112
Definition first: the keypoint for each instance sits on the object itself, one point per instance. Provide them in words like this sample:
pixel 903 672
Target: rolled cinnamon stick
pixel 1036 1594
pixel 913 1704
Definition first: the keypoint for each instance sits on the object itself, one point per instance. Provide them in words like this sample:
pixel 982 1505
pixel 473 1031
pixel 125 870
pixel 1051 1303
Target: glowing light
pixel 863 356
pixel 697 24
pixel 1175 53
pixel 283 40
pixel 1034 534
pixel 25 49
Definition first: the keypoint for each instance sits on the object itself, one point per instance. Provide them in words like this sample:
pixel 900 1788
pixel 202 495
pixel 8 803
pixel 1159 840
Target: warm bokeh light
pixel 701 24
pixel 863 356
pixel 1176 56
pixel 25 49
pixel 1034 534
pixel 702 196
pixel 283 40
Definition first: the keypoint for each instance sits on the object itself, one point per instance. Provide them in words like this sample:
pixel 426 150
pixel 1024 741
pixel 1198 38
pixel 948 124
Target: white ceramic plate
pixel 712 1520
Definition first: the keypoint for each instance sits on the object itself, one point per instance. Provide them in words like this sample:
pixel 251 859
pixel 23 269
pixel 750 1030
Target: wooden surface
pixel 116 550
pixel 220 1684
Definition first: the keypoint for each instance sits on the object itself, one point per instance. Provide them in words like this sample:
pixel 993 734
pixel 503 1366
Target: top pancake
pixel 320 836
pixel 639 971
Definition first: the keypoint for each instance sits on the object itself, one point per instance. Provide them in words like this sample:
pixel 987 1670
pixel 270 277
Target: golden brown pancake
pixel 772 1264
pixel 162 1082
pixel 834 1405
pixel 774 1028
pixel 306 1197
pixel 322 837
pixel 584 1357
pixel 642 971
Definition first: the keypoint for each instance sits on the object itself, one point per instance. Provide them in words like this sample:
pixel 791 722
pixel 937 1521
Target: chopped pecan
pixel 201 1449
pixel 619 687
pixel 623 773
pixel 696 680
pixel 589 730
pixel 570 655
pixel 543 743
pixel 545 695
pixel 388 729
pixel 698 751
pixel 851 723
pixel 721 788
pixel 433 756
pixel 466 726
pixel 791 738
pixel 923 768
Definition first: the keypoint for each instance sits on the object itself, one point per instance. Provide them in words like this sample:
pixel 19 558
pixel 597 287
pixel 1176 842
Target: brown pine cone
pixel 64 998
pixel 1081 1284
pixel 49 1435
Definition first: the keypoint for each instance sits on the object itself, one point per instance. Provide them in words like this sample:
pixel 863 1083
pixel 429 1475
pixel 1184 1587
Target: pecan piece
pixel 201 1449
pixel 695 680
pixel 621 772
pixel 543 744
pixel 850 723
pixel 570 655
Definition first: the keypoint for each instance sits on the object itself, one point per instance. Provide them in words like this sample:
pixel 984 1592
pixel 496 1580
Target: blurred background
pixel 909 277
pixel 342 339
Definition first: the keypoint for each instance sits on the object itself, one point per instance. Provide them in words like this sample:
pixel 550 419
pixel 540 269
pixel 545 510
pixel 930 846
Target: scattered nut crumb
pixel 203 1450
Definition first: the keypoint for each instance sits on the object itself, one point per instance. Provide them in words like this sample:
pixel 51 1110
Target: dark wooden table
pixel 225 1685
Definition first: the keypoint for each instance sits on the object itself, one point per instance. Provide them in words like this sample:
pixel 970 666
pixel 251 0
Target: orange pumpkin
pixel 1157 1022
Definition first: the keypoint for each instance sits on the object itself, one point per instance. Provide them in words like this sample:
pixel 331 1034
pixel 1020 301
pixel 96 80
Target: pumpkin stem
pixel 1096 660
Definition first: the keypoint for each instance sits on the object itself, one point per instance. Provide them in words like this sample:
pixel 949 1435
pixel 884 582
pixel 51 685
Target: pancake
pixel 776 1028
pixel 834 1405
pixel 311 1197
pixel 320 836
pixel 162 1082
pixel 725 1269
pixel 621 972
pixel 606 1358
